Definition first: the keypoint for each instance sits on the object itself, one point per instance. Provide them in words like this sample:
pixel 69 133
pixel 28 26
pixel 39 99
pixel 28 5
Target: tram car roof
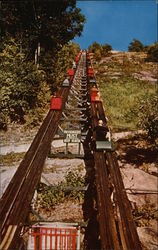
pixel 66 83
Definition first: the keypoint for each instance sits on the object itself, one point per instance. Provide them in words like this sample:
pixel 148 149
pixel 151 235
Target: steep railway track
pixel 117 228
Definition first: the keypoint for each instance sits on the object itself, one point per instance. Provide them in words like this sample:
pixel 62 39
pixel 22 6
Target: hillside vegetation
pixel 128 86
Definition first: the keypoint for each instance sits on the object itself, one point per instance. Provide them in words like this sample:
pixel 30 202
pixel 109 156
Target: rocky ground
pixel 137 161
pixel 139 168
pixel 119 63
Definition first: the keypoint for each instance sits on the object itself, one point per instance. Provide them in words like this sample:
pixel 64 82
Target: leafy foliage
pixel 50 23
pixel 99 50
pixel 148 115
pixel 144 214
pixel 56 66
pixel 94 46
pixel 135 46
pixel 25 89
pixel 52 195
pixel 20 84
pixel 152 53
pixel 10 158
pixel 106 48
pixel 97 55
pixel 74 179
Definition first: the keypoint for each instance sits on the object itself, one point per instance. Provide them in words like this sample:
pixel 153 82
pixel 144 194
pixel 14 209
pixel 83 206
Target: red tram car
pixel 71 72
pixel 95 96
pixel 77 59
pixel 56 103
pixel 90 72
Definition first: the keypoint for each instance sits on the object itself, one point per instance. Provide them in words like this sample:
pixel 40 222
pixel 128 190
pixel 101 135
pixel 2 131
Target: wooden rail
pixel 15 202
pixel 117 227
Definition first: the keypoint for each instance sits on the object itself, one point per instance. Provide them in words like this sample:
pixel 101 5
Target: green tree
pixel 25 25
pixel 20 84
pixel 97 54
pixel 152 53
pixel 94 46
pixel 106 48
pixel 50 23
pixel 99 50
pixel 24 94
pixel 56 66
pixel 135 46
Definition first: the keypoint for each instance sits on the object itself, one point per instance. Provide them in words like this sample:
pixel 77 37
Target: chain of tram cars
pixel 105 143
pixel 56 101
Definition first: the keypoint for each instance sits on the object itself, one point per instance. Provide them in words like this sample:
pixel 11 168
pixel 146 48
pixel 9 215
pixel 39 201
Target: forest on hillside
pixel 35 53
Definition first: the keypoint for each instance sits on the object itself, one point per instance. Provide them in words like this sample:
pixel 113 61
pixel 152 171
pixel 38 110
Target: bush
pixel 148 116
pixel 135 46
pixel 94 47
pixel 74 179
pixel 20 83
pixel 152 53
pixel 145 214
pixel 25 90
pixel 106 48
pixel 99 50
pixel 56 63
pixel 48 196
pixel 97 54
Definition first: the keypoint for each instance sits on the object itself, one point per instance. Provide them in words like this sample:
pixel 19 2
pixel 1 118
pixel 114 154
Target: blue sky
pixel 118 22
